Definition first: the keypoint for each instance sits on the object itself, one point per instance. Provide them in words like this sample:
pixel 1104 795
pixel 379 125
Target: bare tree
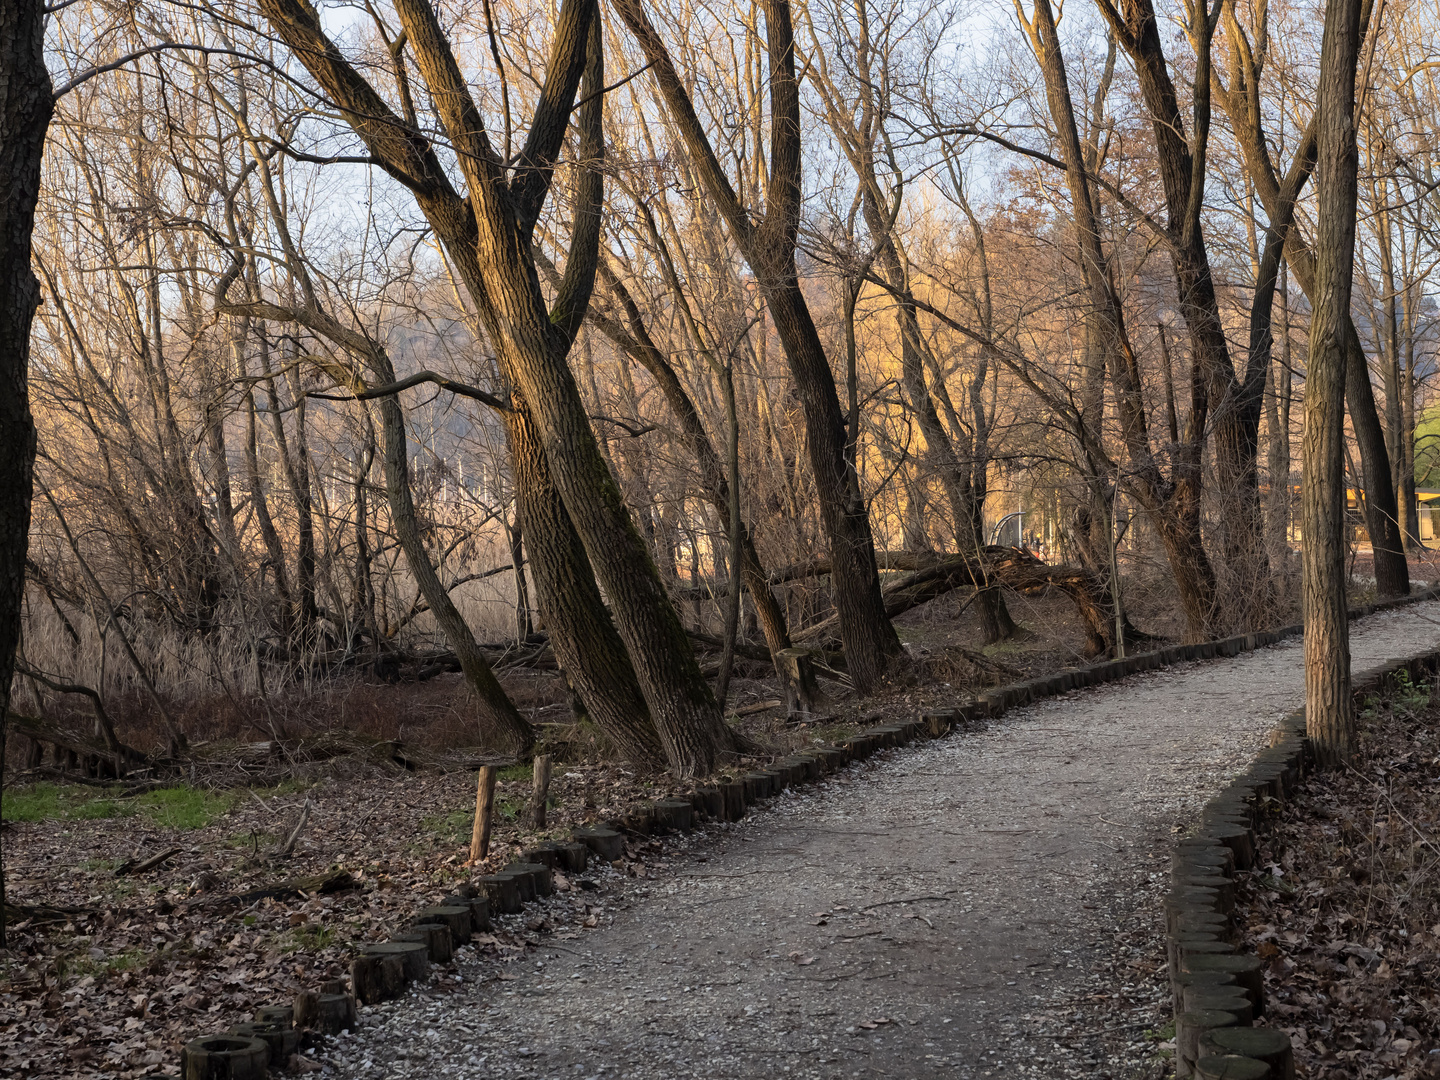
pixel 1329 716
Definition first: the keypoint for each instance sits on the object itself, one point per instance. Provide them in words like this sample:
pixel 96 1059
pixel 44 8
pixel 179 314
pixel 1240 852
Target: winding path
pixel 948 910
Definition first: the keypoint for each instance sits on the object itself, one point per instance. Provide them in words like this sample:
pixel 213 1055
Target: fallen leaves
pixel 1345 914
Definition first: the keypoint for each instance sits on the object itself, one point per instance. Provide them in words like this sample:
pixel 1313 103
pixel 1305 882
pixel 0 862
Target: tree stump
pixel 548 853
pixel 377 977
pixel 710 801
pixel 732 793
pixel 540 790
pixel 1190 1028
pixel 439 946
pixel 604 841
pixel 503 893
pixel 456 917
pixel 225 1057
pixel 830 758
pixel 478 906
pixel 1231 1067
pixel 1231 999
pixel 542 882
pixel 757 786
pixel 1237 837
pixel 796 669
pixel 284 1015
pixel 786 772
pixel 938 724
pixel 281 1038
pixel 1248 972
pixel 414 956
pixel 673 814
pixel 1269 1045
pixel 575 857
pixel 640 820
pixel 329 1014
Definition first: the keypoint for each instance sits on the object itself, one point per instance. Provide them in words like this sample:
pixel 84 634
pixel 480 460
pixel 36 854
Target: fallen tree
pixel 932 576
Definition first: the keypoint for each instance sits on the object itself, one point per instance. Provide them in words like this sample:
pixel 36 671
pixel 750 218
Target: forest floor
pixel 980 905
pixel 1345 903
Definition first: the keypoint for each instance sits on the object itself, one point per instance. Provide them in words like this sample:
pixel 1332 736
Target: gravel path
pixel 963 908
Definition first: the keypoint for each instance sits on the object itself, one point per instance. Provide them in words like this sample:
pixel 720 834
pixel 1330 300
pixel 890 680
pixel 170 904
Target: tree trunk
pixel 1328 708
pixel 871 645
pixel 1278 450
pixel 25 109
pixel 501 725
pixel 586 644
pixel 488 236
pixel 638 343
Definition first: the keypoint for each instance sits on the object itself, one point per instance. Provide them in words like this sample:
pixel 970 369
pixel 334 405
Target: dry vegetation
pixel 1346 904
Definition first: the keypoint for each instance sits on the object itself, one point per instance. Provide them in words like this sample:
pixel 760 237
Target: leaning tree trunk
pixel 1382 519
pixel 586 644
pixel 502 726
pixel 1328 711
pixel 25 109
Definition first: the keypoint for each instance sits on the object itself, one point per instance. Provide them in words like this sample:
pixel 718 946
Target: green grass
pixel 520 771
pixel 185 807
pixel 309 937
pixel 176 808
pixel 56 802
pixel 454 826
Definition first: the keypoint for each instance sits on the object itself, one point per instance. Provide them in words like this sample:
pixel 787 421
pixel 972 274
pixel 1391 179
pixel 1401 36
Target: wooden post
pixel 541 790
pixel 484 804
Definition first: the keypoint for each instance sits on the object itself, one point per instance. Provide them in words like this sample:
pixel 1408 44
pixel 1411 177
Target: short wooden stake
pixel 484 804
pixel 541 790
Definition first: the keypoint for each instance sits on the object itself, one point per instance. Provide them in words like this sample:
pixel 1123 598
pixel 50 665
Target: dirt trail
pixel 973 893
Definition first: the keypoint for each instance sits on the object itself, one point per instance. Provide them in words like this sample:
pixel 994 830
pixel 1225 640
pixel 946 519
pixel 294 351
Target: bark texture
pixel 1328 709
pixel 26 106
pixel 488 235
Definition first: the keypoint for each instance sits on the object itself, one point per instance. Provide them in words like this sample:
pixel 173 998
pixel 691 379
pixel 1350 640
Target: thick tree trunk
pixel 25 109
pixel 1278 449
pixel 488 235
pixel 1392 574
pixel 634 338
pixel 1328 709
pixel 1236 404
pixel 586 644
pixel 1173 504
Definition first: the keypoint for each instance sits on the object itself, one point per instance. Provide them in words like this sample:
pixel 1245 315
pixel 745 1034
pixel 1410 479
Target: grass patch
pixel 519 771
pixel 56 802
pixel 185 807
pixel 455 826
pixel 176 808
pixel 310 937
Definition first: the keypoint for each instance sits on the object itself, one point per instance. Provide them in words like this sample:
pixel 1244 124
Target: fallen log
pixel 317 885
pixel 130 866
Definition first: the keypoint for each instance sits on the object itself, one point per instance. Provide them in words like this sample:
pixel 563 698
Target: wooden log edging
pixel 1216 991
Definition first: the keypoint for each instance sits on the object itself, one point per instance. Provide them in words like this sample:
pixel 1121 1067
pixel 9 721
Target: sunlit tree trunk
pixel 1328 708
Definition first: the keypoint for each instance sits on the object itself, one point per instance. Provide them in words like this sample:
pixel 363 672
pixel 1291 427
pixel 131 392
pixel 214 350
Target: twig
pixel 130 866
pixel 299 825
pixel 1395 809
